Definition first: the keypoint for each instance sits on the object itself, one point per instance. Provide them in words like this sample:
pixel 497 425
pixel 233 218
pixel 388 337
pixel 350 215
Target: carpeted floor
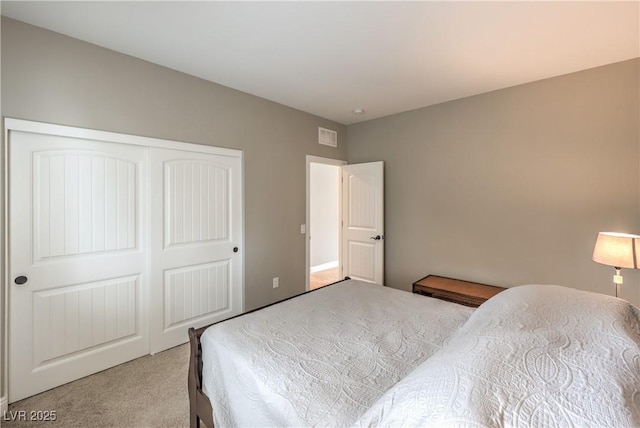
pixel 147 392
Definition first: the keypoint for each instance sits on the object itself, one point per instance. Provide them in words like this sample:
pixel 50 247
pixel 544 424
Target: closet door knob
pixel 20 280
pixel 235 249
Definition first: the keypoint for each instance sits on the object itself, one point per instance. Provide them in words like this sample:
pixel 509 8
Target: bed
pixel 357 354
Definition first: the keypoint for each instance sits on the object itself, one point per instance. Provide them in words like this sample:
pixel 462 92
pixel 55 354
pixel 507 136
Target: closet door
pixel 195 257
pixel 76 259
pixel 117 244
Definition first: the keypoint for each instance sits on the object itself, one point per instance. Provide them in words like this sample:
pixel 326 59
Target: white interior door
pixel 76 259
pixel 196 261
pixel 363 221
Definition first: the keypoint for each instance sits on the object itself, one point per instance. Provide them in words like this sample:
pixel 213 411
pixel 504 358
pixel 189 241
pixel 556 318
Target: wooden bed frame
pixel 199 404
pixel 200 409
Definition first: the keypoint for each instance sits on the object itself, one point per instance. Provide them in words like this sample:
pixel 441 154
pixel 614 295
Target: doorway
pixel 323 221
pixel 358 206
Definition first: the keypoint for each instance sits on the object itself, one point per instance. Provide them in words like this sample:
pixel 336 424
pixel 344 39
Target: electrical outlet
pixel 276 282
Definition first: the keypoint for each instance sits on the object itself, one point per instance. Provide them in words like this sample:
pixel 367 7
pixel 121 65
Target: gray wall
pixel 508 187
pixel 53 78
pixel 512 186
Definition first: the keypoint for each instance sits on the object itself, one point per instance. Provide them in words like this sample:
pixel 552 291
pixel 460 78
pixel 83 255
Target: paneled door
pixel 76 253
pixel 363 221
pixel 195 254
pixel 117 245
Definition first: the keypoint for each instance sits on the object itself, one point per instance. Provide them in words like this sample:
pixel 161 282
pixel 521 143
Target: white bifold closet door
pixel 115 249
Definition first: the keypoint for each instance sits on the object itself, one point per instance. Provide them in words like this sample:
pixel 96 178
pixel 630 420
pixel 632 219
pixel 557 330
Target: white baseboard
pixel 4 405
pixel 324 266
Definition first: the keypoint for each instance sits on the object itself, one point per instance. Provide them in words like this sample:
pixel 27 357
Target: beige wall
pixel 512 186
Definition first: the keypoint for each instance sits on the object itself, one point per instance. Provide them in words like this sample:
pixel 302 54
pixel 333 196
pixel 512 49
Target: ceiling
pixel 329 58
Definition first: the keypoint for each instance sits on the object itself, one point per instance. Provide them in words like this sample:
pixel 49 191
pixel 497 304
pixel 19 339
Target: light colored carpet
pixel 147 392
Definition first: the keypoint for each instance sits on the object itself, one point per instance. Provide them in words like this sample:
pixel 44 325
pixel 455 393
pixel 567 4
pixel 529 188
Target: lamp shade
pixel 617 249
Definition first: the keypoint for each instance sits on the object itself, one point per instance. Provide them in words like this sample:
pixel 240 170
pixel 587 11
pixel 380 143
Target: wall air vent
pixel 327 137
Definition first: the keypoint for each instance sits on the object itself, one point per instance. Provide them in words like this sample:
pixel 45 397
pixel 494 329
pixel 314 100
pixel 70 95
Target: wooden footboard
pixel 199 405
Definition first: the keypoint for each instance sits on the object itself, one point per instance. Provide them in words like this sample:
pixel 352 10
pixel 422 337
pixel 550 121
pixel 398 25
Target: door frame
pixel 325 161
pixel 11 124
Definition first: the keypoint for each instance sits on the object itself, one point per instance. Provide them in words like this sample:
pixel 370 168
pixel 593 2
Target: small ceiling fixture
pixel 358 111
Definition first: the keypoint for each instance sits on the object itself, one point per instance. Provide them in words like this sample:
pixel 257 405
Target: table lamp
pixel 619 250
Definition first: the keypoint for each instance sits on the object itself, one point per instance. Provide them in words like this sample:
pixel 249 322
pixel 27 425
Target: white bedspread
pixel 321 359
pixel 533 356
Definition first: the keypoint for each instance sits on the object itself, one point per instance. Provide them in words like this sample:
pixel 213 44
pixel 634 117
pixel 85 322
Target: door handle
pixel 21 280
pixel 376 238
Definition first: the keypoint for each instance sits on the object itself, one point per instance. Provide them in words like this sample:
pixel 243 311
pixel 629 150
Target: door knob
pixel 235 249
pixel 20 280
pixel 376 238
